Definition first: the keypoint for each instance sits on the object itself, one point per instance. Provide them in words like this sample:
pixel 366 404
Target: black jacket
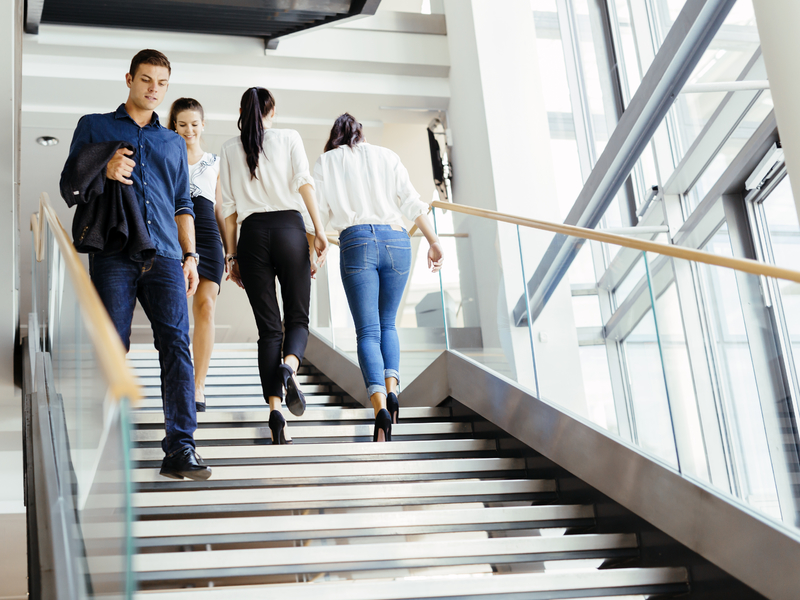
pixel 108 218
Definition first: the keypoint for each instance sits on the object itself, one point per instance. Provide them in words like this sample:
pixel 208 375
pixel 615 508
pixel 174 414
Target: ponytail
pixel 346 131
pixel 256 104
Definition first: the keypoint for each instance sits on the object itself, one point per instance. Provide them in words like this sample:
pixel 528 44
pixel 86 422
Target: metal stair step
pixel 224 372
pixel 194 502
pixel 535 586
pixel 261 415
pixel 338 451
pixel 212 391
pixel 217 564
pixel 357 524
pixel 253 401
pixel 309 431
pixel 217 381
pixel 318 473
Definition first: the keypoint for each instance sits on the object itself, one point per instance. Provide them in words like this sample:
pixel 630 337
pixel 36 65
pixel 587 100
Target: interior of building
pixel 599 391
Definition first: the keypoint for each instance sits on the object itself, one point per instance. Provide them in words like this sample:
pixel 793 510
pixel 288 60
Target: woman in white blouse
pixel 365 192
pixel 265 184
pixel 187 119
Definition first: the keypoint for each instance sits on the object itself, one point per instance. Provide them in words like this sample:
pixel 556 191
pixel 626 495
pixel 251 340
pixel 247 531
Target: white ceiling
pixel 390 71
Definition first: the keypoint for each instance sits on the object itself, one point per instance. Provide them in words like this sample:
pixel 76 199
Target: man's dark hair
pixel 149 57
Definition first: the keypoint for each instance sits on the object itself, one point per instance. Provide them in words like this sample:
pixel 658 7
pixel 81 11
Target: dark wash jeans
pixel 375 262
pixel 159 285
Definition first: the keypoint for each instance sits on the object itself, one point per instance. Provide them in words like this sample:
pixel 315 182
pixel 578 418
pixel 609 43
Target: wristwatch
pixel 193 255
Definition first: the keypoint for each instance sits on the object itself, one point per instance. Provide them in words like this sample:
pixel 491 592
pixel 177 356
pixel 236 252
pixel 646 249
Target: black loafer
pixel 185 463
pixel 295 400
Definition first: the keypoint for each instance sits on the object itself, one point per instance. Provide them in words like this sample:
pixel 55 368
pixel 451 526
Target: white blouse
pixel 365 185
pixel 203 177
pixel 282 170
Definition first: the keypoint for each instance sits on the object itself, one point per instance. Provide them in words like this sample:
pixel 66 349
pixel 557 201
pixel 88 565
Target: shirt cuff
pixel 228 210
pixel 185 210
pixel 300 181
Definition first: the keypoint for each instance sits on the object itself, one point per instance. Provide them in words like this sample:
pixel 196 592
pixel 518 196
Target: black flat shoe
pixel 295 400
pixel 277 425
pixel 185 463
pixel 383 422
pixel 393 406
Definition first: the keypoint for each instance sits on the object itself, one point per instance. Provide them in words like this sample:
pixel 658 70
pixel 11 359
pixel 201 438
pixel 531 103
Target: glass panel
pixel 93 460
pixel 740 406
pixel 780 214
pixel 744 130
pixel 484 274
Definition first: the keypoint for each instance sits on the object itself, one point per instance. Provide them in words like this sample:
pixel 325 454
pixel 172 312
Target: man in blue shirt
pixel 158 171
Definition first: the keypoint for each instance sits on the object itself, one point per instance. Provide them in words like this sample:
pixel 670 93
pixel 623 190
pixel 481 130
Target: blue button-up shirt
pixel 160 177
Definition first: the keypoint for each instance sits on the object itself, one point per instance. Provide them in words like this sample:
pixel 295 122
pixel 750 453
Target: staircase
pixel 448 509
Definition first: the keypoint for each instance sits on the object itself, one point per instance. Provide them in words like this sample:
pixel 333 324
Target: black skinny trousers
pixel 274 244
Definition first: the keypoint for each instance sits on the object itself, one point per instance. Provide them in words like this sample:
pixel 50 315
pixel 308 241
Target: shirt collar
pixel 121 113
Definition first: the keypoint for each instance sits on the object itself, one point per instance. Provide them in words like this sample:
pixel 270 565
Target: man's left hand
pixel 190 275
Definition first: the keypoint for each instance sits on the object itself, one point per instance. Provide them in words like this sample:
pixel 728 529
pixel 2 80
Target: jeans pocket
pixel 401 258
pixel 354 258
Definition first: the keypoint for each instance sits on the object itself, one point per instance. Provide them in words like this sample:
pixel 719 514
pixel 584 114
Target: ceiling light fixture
pixel 47 140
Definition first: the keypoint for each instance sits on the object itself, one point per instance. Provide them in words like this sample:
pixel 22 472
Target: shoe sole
pixel 200 475
pixel 295 401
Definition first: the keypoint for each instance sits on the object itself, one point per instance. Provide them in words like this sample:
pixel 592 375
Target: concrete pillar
pixel 13 570
pixel 777 22
pixel 502 161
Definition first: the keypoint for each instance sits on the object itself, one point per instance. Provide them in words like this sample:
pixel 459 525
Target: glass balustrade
pixel 666 354
pixel 93 447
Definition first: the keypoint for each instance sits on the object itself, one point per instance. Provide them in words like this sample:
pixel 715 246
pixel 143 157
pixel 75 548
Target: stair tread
pixel 261 415
pixel 582 582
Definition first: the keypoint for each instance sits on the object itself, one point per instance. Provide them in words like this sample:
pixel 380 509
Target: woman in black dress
pixel 186 118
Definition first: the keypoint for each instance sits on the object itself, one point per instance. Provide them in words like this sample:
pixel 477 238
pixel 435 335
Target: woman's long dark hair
pixel 346 131
pixel 180 105
pixel 256 104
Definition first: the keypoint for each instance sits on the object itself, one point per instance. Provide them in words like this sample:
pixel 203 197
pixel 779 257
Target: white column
pixel 778 21
pixel 13 571
pixel 502 161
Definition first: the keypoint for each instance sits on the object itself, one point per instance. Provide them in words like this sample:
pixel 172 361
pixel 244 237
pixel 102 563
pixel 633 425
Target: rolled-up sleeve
pixel 300 172
pixel 408 200
pixel 183 197
pixel 228 202
pixel 319 188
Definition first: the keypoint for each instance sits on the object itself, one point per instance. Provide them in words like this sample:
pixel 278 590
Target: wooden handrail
pixel 105 339
pixel 740 264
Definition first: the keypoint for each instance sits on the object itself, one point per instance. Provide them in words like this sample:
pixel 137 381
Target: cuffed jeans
pixel 274 244
pixel 375 262
pixel 161 289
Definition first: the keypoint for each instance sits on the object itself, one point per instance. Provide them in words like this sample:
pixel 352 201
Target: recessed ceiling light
pixel 47 140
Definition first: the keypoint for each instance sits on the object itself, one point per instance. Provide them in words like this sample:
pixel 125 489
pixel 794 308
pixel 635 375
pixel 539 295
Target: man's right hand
pixel 120 166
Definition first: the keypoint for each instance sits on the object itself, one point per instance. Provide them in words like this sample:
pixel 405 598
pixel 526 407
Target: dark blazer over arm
pixel 108 218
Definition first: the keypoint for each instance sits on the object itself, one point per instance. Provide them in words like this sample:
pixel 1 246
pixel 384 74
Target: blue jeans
pixel 375 262
pixel 159 285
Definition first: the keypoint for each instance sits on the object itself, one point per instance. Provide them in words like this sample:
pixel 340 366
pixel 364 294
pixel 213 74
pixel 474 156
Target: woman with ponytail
pixel 265 184
pixel 187 119
pixel 365 192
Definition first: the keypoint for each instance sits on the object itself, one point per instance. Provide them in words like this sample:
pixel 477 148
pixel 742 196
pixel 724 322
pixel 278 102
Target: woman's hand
pixel 232 268
pixel 321 248
pixel 435 257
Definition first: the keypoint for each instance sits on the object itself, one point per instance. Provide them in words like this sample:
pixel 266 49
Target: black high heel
pixel 277 424
pixel 383 422
pixel 393 406
pixel 200 406
pixel 295 400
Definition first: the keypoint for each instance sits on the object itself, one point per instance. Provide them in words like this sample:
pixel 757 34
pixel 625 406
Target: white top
pixel 365 185
pixel 203 177
pixel 282 170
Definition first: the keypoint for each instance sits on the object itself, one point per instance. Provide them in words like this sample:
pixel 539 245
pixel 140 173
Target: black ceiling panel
pixel 268 19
